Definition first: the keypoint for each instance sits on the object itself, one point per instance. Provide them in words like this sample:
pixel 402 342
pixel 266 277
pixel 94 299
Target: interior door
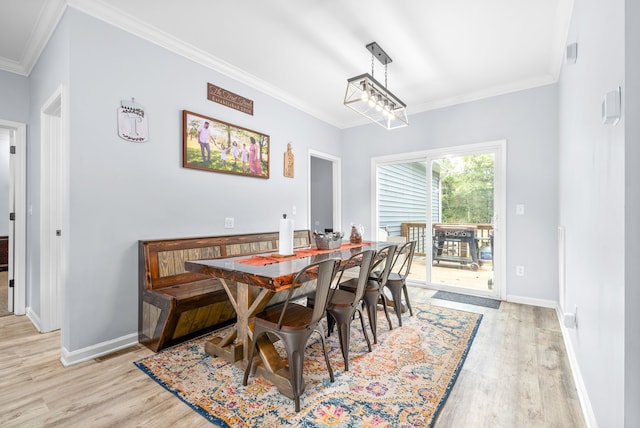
pixel 12 211
pixel 17 205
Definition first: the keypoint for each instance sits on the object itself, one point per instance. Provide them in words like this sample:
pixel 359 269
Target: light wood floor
pixel 516 375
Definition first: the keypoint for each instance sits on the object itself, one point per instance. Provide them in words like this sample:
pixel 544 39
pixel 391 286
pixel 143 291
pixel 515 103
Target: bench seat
pixel 175 305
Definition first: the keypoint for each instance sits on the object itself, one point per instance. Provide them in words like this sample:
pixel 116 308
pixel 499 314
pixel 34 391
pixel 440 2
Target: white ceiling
pixel 444 52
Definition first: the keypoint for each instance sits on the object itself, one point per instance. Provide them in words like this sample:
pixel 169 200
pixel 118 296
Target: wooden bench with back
pixel 175 305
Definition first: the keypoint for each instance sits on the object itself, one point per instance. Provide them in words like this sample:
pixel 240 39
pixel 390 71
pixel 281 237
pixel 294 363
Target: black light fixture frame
pixel 395 114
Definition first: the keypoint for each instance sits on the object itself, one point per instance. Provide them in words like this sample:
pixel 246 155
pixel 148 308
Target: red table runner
pixel 267 259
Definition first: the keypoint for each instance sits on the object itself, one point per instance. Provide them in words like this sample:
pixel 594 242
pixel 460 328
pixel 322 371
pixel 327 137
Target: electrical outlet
pixel 228 222
pixel 520 209
pixel 519 270
pixel 293 210
pixel 571 319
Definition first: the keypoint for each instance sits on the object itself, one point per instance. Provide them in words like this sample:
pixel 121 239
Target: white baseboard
pixel 583 396
pixel 69 358
pixel 532 302
pixel 35 319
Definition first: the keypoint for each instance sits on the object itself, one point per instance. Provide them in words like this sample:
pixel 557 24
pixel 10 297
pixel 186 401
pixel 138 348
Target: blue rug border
pixel 212 419
pixel 202 412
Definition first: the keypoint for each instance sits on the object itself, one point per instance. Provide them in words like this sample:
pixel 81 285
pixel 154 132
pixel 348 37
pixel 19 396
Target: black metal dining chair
pixel 375 284
pixel 294 324
pixel 397 279
pixel 344 304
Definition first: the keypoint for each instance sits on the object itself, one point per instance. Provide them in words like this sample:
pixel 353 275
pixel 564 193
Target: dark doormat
pixel 470 300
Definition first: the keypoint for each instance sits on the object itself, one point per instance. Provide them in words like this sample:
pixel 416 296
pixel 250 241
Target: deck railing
pixel 418 232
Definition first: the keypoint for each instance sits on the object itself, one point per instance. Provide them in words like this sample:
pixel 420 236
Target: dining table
pixel 250 283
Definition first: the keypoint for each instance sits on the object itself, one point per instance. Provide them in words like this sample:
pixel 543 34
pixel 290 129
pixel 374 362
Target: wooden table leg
pixel 235 346
pixel 227 347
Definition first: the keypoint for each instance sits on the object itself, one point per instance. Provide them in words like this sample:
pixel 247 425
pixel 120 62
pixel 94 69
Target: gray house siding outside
pixel 402 195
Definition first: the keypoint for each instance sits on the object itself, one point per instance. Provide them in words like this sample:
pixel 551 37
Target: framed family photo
pixel 209 144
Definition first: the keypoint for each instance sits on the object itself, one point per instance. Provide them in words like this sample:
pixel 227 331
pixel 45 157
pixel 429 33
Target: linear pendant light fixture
pixel 371 99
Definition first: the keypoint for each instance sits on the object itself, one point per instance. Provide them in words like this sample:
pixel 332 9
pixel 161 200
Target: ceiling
pixel 302 52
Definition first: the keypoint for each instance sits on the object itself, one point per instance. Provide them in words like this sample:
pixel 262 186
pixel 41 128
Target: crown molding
pixel 43 29
pixel 130 24
pixel 46 24
pixel 491 92
pixel 13 67
pixel 54 10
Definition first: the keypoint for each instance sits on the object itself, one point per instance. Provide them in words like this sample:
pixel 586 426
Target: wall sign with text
pixel 229 99
pixel 132 122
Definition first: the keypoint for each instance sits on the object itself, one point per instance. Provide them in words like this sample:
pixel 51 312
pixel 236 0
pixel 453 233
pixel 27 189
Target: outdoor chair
pixel 294 324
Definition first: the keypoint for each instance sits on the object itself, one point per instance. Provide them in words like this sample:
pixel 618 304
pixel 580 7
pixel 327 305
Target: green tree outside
pixel 467 189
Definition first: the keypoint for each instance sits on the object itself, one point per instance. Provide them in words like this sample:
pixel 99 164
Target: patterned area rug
pixel 403 382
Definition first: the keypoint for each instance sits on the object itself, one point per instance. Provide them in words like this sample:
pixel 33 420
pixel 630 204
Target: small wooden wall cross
pixel 288 162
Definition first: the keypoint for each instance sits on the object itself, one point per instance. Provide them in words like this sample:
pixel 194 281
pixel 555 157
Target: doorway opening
pixel 14 141
pixel 324 204
pixel 6 200
pixel 451 202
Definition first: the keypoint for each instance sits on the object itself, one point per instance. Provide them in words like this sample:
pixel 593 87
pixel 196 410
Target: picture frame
pixel 229 149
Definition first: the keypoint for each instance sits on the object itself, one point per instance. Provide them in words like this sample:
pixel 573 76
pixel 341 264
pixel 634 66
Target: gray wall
pixel 121 192
pixel 598 206
pixel 14 106
pixel 632 214
pixel 528 121
pixel 14 102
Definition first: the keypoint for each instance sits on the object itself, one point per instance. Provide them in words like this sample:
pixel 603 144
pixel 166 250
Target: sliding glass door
pixel 449 202
pixel 402 207
pixel 462 224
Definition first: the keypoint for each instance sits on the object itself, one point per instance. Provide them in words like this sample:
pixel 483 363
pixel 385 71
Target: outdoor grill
pixel 456 243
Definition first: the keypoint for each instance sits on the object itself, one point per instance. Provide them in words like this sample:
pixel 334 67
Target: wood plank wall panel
pixel 151 315
pixel 172 262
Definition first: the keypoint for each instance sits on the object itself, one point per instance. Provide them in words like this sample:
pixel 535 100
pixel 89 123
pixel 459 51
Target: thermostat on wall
pixel 611 107
pixel 571 54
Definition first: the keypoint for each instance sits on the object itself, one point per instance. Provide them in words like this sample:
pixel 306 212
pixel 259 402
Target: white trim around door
pixel 53 117
pixel 336 187
pixel 499 148
pixel 18 205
